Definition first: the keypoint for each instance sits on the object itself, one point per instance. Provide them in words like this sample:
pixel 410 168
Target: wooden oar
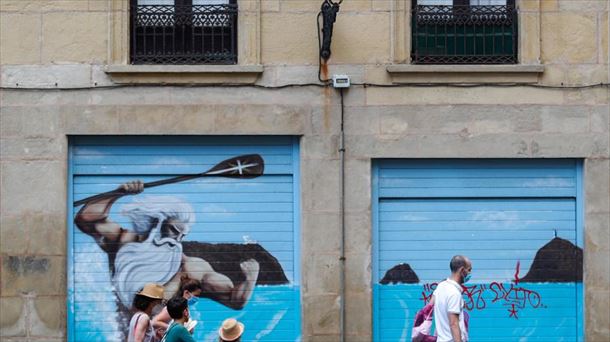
pixel 246 166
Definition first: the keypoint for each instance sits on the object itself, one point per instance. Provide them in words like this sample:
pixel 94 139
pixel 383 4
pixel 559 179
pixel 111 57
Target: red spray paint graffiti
pixel 512 296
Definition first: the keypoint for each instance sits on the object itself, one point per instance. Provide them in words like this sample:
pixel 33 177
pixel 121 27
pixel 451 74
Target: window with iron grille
pixel 183 31
pixel 464 32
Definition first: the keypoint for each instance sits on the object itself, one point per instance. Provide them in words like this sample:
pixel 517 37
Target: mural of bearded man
pixel 152 251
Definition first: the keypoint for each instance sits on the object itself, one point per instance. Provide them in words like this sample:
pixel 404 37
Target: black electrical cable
pixel 327 81
pixel 322 85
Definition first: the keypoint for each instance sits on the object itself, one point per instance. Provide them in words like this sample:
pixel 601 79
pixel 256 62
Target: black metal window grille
pixel 184 33
pixel 464 34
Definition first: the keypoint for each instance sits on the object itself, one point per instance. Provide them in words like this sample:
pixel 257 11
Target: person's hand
pixel 132 188
pixel 249 267
pixel 159 332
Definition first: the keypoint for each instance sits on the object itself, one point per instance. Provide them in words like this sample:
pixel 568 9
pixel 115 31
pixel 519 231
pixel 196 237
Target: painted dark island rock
pixel 225 258
pixel 400 274
pixel 559 261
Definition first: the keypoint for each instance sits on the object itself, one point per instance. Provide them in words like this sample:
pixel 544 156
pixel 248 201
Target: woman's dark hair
pixel 141 302
pixel 176 306
pixel 188 284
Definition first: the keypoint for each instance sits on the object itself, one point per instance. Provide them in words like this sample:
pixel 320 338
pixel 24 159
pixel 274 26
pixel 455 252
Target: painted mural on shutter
pixel 236 233
pixel 518 221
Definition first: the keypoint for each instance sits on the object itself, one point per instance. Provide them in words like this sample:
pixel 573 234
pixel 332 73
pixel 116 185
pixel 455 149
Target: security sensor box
pixel 341 81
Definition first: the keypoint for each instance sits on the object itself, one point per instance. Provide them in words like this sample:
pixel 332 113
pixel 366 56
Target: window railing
pixel 464 34
pixel 178 34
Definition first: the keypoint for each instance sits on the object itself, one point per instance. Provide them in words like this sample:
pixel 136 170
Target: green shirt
pixel 177 333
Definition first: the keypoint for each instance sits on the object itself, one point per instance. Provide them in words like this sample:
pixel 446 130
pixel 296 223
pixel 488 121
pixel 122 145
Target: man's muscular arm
pixel 92 218
pixel 219 286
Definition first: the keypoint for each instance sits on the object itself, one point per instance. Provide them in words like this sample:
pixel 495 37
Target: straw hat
pixel 231 329
pixel 154 291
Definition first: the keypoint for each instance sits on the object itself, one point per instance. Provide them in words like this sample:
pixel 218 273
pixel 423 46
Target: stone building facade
pixel 66 73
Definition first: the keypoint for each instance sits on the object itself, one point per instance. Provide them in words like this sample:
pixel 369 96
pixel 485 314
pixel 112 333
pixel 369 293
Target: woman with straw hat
pixel 230 331
pixel 140 326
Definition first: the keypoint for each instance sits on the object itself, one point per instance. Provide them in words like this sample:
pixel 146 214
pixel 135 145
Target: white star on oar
pixel 239 168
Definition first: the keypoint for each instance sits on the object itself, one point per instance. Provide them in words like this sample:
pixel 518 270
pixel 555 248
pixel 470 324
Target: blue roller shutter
pixel 508 216
pixel 233 220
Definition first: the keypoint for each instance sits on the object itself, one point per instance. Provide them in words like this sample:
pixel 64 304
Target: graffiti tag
pixel 513 296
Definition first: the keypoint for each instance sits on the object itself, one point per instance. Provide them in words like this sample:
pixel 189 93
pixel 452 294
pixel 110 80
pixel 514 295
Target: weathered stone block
pixel 47 76
pixel 358 232
pixel 358 184
pixel 47 233
pixel 547 5
pixel 359 38
pixel 45 192
pixel 321 315
pixel 597 251
pixel 597 185
pixel 99 5
pixel 289 38
pixel 50 316
pixel 600 118
pixel 326 119
pixel 270 5
pixel 562 31
pixel 32 121
pixel 583 5
pixel 587 74
pixel 568 119
pixel 151 119
pixel 320 232
pixel 75 37
pixel 12 322
pixel 382 5
pixel 20 38
pixel 604 32
pixel 454 96
pixel 554 74
pixel 358 271
pixel 320 185
pixel 319 147
pixel 322 274
pixel 358 316
pixel 33 148
pixel 36 274
pixel 14 234
pixel 90 119
pixel 597 320
pixel 260 119
pixel 10 121
pixel 597 234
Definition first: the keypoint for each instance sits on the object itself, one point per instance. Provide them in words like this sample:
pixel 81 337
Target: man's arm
pixel 454 325
pixel 220 287
pixel 92 219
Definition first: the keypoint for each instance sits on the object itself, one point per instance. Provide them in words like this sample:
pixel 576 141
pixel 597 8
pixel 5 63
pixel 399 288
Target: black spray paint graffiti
pixel 512 296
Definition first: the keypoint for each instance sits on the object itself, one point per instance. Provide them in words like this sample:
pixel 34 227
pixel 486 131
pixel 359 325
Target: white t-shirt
pixel 448 299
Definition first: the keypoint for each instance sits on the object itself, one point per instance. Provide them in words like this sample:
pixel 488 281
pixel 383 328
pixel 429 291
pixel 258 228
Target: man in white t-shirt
pixel 449 304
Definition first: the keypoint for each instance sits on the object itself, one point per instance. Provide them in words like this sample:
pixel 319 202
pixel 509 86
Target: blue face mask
pixel 193 300
pixel 467 278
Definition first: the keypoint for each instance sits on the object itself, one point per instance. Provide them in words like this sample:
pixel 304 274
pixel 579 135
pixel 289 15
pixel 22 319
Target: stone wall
pixel 55 45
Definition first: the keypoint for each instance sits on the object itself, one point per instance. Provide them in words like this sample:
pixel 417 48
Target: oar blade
pixel 246 166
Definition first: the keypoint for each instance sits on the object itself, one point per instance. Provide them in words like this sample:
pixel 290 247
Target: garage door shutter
pixel 245 229
pixel 518 221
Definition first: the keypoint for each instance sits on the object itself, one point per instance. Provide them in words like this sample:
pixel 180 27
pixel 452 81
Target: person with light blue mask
pixel 448 302
pixel 190 289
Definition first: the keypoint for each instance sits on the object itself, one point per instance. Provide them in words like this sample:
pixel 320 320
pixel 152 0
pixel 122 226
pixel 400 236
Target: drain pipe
pixel 342 213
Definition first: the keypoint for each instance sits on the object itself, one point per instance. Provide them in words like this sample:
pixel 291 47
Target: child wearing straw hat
pixel 230 331
pixel 140 326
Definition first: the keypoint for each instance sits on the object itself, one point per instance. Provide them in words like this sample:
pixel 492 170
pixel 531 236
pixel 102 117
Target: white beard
pixel 139 263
